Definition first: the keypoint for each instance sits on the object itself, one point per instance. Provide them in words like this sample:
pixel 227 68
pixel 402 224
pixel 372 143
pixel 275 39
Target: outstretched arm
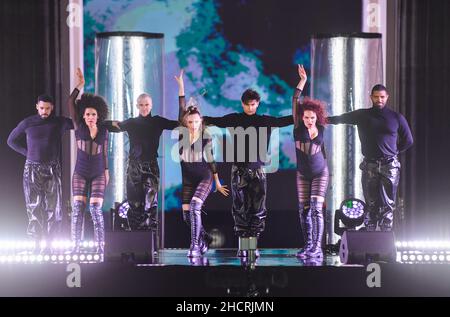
pixel 181 96
pixel 112 126
pixel 73 96
pixel 347 118
pixel 298 91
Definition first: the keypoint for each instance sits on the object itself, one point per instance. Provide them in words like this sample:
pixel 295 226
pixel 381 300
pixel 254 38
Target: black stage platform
pixel 221 274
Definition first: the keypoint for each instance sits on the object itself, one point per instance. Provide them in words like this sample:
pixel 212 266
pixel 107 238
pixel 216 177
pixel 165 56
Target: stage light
pixel 123 209
pixel 120 214
pixel 351 213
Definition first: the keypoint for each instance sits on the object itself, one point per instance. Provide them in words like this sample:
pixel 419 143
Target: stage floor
pixel 220 274
pixel 227 257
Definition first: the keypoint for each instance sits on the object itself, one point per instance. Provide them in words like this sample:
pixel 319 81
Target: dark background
pixel 34 60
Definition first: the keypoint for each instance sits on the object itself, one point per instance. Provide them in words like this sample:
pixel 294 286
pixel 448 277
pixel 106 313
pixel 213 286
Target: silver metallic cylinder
pixel 127 64
pixel 344 68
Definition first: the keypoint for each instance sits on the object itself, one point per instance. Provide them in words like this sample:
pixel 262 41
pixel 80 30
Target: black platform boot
pixel 306 226
pixel 317 230
pixel 99 226
pixel 77 224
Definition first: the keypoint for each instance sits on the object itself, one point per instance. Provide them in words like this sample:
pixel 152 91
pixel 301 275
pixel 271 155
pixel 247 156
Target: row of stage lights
pixel 423 251
pixel 419 257
pixel 69 258
pixel 56 245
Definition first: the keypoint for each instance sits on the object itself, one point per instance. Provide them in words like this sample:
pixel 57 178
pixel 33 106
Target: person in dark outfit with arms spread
pixel 248 179
pixel 144 132
pixel 42 172
pixel 384 134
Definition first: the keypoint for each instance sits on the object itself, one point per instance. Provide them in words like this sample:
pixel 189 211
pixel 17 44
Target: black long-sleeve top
pixel 383 132
pixel 39 139
pixel 252 157
pixel 144 134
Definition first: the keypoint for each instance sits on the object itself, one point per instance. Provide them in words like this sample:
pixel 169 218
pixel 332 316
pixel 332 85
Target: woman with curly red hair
pixel 312 170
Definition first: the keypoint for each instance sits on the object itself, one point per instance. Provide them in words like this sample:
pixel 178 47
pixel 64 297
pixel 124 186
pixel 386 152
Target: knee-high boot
pixel 77 224
pixel 205 237
pixel 99 226
pixel 316 210
pixel 306 227
pixel 195 213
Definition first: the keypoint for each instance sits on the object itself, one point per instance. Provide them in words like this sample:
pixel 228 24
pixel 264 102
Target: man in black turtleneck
pixel 144 132
pixel 384 134
pixel 250 133
pixel 38 138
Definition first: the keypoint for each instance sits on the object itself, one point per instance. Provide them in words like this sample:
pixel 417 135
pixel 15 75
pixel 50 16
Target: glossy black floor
pixel 277 272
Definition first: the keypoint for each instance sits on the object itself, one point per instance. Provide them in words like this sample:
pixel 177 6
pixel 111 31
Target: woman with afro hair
pixel 91 169
pixel 312 170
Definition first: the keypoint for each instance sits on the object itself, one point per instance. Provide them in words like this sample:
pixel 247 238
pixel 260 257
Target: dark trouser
pixel 380 182
pixel 142 193
pixel 248 187
pixel 42 189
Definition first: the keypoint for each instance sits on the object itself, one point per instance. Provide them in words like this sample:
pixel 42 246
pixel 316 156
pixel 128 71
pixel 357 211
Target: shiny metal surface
pixel 344 68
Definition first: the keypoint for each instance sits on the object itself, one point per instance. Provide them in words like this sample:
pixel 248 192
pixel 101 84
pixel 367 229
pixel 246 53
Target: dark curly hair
pixel 97 102
pixel 314 105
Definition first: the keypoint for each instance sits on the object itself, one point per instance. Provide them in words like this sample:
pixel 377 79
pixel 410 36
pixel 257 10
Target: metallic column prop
pixel 344 67
pixel 128 64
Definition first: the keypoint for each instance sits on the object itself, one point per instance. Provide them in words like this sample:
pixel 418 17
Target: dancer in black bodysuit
pixel 312 169
pixel 42 172
pixel 91 169
pixel 198 170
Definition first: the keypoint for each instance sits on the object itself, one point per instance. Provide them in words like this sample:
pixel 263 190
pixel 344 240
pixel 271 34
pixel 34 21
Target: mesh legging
pixel 199 190
pixel 80 185
pixel 315 186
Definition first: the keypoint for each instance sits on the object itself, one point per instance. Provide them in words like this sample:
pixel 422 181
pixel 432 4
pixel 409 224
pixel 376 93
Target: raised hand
pixel 180 82
pixel 80 78
pixel 302 73
pixel 179 79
